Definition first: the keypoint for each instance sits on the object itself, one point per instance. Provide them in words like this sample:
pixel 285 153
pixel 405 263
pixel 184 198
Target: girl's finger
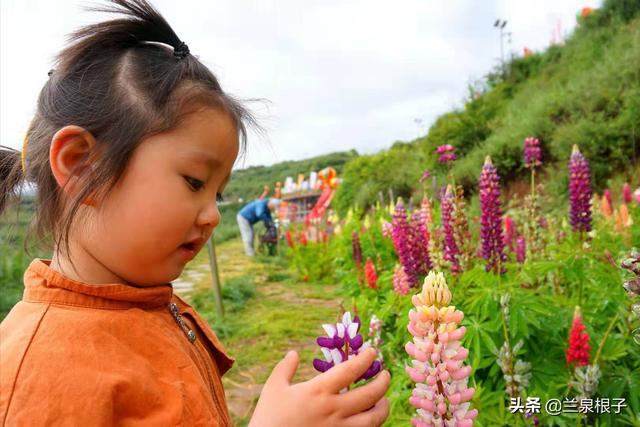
pixel 363 398
pixel 344 374
pixel 372 418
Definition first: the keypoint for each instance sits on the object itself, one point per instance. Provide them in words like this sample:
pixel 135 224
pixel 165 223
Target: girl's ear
pixel 69 155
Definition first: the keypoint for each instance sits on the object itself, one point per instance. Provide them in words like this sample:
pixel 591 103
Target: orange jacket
pixel 73 353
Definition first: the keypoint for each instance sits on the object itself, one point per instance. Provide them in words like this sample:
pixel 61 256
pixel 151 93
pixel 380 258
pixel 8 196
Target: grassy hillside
pixel 247 183
pixel 584 92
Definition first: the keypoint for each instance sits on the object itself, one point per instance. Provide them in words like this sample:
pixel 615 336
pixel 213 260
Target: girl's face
pixel 165 199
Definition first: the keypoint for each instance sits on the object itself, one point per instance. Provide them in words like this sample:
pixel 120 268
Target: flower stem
pixel 604 338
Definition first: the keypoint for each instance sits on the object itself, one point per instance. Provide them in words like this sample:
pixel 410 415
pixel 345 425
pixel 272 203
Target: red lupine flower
pixel 578 351
pixel 370 274
pixel 607 195
pixel 289 238
pixel 509 232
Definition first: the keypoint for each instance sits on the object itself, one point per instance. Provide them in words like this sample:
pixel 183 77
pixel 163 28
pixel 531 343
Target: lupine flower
pixel 532 152
pixel 289 238
pixel 607 195
pixel 605 207
pixel 451 251
pixel 356 249
pixel 375 332
pixel 632 264
pixel 441 395
pixel 461 232
pixel 578 351
pixel 401 236
pixel 426 211
pixel 521 249
pixel 447 154
pixel 401 283
pixel 626 193
pixel 491 219
pixel 342 343
pixel 632 286
pixel 425 175
pixel 586 381
pixel 509 232
pixel 420 243
pixel 579 192
pixel 636 195
pixel 386 229
pixel 370 274
pixel 623 220
pixel 302 238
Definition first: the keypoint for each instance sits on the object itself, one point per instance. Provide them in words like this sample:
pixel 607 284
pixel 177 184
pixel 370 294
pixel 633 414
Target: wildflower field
pixel 494 311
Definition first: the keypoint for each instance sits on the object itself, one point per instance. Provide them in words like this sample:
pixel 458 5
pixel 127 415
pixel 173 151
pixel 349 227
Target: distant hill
pixel 585 91
pixel 248 183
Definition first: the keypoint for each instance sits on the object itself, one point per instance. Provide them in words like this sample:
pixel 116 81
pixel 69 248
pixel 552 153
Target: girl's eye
pixel 219 198
pixel 195 184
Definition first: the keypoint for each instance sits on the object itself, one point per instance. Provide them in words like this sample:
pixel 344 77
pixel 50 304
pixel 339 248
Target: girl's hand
pixel 318 402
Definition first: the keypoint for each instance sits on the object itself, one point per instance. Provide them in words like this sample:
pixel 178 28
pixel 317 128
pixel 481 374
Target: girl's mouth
pixel 188 251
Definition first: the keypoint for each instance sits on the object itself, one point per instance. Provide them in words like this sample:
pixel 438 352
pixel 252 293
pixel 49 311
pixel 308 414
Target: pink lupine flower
pixel 401 283
pixel 626 193
pixel 441 395
pixel 387 229
pixel 425 175
pixel 607 195
pixel 447 154
pixel 521 249
pixel 532 152
pixel 579 192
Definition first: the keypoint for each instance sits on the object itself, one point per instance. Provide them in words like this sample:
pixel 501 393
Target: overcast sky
pixel 338 74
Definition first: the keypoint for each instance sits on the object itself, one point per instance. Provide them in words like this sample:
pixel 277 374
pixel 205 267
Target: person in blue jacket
pixel 257 210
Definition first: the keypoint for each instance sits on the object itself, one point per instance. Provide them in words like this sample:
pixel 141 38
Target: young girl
pixel 132 143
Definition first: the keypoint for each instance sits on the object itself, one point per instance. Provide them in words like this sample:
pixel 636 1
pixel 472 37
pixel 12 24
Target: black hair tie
pixel 181 51
pixel 50 72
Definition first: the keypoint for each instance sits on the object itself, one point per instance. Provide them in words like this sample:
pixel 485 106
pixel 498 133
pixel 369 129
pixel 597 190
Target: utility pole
pixel 500 24
pixel 215 276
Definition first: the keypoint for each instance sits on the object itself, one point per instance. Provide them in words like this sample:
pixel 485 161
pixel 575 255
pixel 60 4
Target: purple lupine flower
pixel 447 154
pixel 451 250
pixel 532 152
pixel 521 249
pixel 491 218
pixel 420 242
pixel 401 235
pixel 579 191
pixel 341 343
pixel 356 249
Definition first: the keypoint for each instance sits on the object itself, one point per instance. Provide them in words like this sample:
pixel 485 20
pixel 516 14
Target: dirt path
pixel 283 314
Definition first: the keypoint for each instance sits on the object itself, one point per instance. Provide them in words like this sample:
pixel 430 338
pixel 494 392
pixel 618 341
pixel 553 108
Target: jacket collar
pixel 44 284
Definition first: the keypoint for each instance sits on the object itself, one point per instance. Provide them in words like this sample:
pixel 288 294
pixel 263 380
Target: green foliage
pixel 543 293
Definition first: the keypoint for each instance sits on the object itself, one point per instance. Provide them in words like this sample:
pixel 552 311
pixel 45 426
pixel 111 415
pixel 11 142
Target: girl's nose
pixel 209 215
